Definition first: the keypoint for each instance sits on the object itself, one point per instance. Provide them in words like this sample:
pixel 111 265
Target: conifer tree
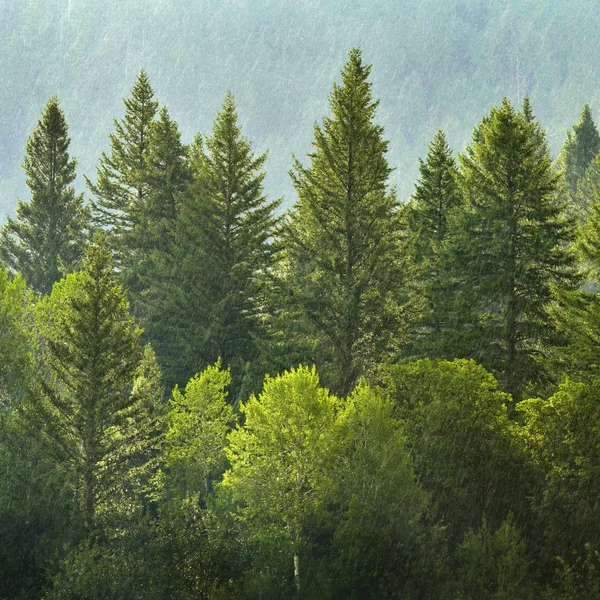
pixel 434 203
pixel 100 406
pixel 208 303
pixel 436 195
pixel 510 247
pixel 577 312
pixel 344 272
pixel 580 148
pixel 122 187
pixel 48 235
pixel 168 177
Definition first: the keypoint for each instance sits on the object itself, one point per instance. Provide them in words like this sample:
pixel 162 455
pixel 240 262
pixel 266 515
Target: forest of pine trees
pixel 206 396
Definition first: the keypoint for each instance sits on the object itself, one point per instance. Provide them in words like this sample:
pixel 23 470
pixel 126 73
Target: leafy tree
pixel 210 301
pixel 48 235
pixel 122 186
pixel 493 564
pixel 562 437
pixel 465 452
pixel 580 148
pixel 378 502
pixel 511 245
pixel 100 406
pixel 196 435
pixel 16 339
pixel 344 270
pixel 280 465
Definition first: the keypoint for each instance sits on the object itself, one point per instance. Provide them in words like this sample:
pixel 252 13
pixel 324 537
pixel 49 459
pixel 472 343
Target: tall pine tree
pixel 344 272
pixel 48 235
pixel 122 186
pixel 436 196
pixel 510 246
pixel 433 206
pixel 580 148
pixel 209 301
pixel 100 406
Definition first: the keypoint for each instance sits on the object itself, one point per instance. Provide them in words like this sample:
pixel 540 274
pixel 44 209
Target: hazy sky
pixel 436 64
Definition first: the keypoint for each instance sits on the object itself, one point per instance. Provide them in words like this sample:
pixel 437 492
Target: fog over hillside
pixel 436 64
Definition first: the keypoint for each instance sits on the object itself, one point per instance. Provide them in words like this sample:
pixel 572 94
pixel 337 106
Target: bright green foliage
pixel 510 246
pixel 16 339
pixel 493 565
pixel 460 437
pixel 122 187
pixel 344 273
pixel 34 508
pixel 378 500
pixel 48 235
pixel 196 435
pixel 281 463
pixel 101 392
pixel 211 297
pixel 579 150
pixel 563 438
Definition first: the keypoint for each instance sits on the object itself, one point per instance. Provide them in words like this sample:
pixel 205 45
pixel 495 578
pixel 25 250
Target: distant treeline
pixel 202 396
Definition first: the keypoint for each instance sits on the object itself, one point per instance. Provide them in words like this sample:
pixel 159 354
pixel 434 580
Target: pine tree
pixel 580 148
pixel 434 203
pixel 122 186
pixel 344 272
pixel 436 196
pixel 48 235
pixel 168 177
pixel 100 406
pixel 209 303
pixel 510 247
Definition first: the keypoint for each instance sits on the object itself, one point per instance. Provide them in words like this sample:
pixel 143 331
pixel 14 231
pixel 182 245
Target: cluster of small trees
pixel 159 439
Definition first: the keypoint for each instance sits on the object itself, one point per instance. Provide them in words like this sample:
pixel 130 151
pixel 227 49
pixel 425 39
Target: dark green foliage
pixel 436 196
pixel 460 437
pixel 210 299
pixel 579 150
pixel 493 565
pixel 510 245
pixel 343 276
pixel 423 481
pixel 122 187
pixel 48 236
pixel 436 199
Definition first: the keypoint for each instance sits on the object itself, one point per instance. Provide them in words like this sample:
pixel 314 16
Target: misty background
pixel 436 64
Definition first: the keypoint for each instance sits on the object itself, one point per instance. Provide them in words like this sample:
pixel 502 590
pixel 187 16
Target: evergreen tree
pixel 344 273
pixel 577 312
pixel 580 148
pixel 436 195
pixel 100 406
pixel 122 186
pixel 47 237
pixel 510 247
pixel 168 177
pixel 434 203
pixel 210 300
